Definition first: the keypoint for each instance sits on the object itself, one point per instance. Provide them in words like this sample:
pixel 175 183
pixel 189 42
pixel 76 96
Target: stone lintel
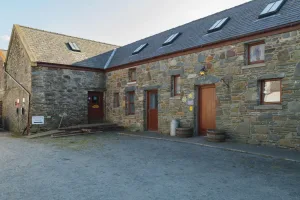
pixel 206 80
pixel 271 76
pixel 130 89
pixel 268 107
pixel 175 72
pixel 151 87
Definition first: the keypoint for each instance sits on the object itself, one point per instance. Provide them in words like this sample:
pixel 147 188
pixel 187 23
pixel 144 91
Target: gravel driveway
pixel 109 166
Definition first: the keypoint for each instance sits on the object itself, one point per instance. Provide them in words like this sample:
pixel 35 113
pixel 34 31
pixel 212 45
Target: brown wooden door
pixel 95 107
pixel 152 110
pixel 207 108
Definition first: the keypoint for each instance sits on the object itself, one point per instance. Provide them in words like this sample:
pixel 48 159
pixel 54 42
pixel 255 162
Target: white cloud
pixel 5 37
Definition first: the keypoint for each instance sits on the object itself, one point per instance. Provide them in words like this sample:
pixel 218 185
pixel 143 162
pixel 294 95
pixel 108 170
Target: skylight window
pixel 73 46
pixel 219 24
pixel 272 8
pixel 140 48
pixel 171 39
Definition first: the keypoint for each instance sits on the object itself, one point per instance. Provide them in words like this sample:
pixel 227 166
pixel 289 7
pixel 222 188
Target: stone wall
pixel 238 104
pixel 19 67
pixel 1 78
pixel 58 92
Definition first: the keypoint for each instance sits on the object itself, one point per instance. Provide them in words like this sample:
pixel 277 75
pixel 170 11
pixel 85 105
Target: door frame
pixel 198 99
pixel 148 107
pixel 103 105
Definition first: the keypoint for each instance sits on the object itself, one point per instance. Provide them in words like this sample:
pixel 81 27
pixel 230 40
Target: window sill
pixel 131 83
pixel 254 66
pixel 268 107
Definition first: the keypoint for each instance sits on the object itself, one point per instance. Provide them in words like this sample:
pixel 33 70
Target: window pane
pixel 178 85
pixel 131 98
pixel 132 75
pixel 153 101
pixel 257 53
pixel 271 91
pixel 95 99
pixel 132 109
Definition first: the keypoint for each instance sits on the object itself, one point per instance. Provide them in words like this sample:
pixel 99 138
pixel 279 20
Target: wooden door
pixel 207 108
pixel 152 110
pixel 95 107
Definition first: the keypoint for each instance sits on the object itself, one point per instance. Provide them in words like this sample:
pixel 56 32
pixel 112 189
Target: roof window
pixel 73 46
pixel 140 48
pixel 272 8
pixel 219 25
pixel 171 39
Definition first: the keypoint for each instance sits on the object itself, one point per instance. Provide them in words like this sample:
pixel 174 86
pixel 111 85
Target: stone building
pixel 51 75
pixel 2 60
pixel 237 70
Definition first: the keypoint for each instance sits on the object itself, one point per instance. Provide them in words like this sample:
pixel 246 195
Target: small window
pixel 219 25
pixel 132 75
pixel 171 39
pixel 95 100
pixel 176 85
pixel 272 8
pixel 271 91
pixel 140 48
pixel 73 46
pixel 130 108
pixel 116 100
pixel 153 104
pixel 256 53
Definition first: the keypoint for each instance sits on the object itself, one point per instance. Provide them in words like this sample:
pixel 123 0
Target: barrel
pixel 184 132
pixel 214 135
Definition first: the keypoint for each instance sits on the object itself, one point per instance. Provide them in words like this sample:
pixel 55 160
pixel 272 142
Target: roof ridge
pixel 110 58
pixel 68 35
pixel 249 1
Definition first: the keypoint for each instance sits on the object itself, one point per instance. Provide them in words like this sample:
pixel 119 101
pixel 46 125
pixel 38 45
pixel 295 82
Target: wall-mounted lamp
pixel 203 70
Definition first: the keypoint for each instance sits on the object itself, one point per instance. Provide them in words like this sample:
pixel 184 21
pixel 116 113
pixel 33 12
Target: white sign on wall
pixel 38 119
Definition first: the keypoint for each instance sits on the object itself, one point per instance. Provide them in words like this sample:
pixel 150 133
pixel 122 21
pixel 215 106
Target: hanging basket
pixel 184 132
pixel 214 135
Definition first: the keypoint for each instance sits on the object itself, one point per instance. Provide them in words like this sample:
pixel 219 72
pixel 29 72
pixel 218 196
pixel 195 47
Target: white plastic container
pixel 174 125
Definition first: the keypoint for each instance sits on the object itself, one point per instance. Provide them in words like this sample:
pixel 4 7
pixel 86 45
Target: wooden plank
pixel 44 134
pixel 72 134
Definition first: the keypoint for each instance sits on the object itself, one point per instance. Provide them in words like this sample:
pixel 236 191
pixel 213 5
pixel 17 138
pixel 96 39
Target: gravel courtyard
pixel 110 166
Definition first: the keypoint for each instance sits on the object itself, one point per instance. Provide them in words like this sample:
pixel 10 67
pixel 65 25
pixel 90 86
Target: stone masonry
pixel 238 105
pixel 58 93
pixel 1 76
pixel 17 87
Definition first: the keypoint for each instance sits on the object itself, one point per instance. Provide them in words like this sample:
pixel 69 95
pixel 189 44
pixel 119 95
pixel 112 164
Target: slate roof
pixel 244 21
pixel 51 48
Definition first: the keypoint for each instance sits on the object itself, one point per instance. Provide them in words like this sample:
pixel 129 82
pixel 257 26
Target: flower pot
pixel 214 135
pixel 184 132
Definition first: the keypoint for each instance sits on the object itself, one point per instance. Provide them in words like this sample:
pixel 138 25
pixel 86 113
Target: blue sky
pixel 117 22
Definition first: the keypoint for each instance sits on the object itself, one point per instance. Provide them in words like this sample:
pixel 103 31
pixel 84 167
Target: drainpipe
pixel 29 98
